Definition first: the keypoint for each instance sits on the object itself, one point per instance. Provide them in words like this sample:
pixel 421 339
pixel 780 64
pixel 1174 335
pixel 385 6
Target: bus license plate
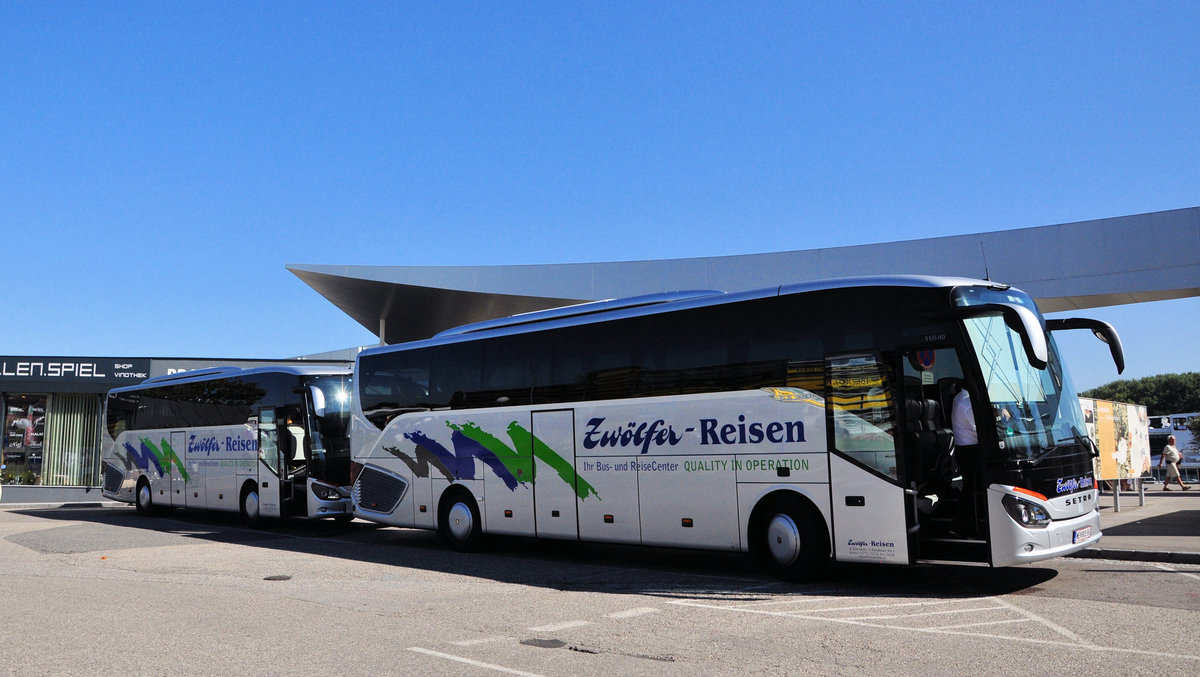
pixel 1081 534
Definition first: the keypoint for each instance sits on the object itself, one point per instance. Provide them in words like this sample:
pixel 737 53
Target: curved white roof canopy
pixel 1087 264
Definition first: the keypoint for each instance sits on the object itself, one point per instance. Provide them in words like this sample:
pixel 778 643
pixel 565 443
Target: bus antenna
pixel 986 275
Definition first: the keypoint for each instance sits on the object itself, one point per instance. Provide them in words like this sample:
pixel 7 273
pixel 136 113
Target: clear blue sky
pixel 160 163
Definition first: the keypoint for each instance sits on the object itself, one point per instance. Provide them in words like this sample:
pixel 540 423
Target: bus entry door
pixel 270 464
pixel 870 521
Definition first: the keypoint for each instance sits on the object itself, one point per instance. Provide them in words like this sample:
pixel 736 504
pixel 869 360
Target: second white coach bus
pixel 801 423
pixel 265 442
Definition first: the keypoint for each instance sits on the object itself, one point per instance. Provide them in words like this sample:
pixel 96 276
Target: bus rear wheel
pixel 788 537
pixel 143 497
pixel 458 521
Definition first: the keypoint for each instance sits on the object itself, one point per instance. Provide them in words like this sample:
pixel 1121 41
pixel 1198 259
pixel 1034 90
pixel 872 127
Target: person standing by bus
pixel 1171 455
pixel 966 455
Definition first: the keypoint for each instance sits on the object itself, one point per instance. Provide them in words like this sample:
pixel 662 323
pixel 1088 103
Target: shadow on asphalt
pixel 1178 523
pixel 561 565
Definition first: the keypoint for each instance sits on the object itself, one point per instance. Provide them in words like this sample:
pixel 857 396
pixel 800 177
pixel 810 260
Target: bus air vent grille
pixel 113 476
pixel 378 490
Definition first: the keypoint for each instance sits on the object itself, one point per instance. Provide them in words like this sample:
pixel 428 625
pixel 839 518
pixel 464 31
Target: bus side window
pixel 268 439
pixel 864 412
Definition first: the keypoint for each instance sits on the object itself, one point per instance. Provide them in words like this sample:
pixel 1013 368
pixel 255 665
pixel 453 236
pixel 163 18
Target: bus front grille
pixel 378 490
pixel 113 476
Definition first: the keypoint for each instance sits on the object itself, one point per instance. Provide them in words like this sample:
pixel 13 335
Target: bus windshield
pixel 1036 411
pixel 330 434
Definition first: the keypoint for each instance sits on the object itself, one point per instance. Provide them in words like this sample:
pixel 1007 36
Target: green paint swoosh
pixel 169 456
pixel 522 438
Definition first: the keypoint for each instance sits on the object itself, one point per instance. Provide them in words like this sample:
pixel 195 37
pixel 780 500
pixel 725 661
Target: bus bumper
pixel 332 508
pixel 318 507
pixel 327 500
pixel 1013 543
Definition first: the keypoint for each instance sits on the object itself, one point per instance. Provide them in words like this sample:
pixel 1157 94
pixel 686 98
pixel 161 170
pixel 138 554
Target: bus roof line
pixel 679 300
pixel 589 308
pixel 211 371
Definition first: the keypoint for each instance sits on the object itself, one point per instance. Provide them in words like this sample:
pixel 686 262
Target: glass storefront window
pixel 24 433
pixel 51 439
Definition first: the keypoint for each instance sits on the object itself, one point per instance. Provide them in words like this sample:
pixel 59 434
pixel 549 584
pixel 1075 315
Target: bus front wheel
pixel 788 537
pixel 458 521
pixel 250 508
pixel 144 498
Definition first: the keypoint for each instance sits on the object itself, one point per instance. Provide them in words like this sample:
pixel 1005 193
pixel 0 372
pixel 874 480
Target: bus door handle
pixel 856 501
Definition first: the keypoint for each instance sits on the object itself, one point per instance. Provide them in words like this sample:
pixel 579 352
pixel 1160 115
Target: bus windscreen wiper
pixel 1076 438
pixel 1085 441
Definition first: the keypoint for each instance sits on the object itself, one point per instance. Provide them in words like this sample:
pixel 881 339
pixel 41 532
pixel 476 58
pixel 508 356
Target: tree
pixel 1162 394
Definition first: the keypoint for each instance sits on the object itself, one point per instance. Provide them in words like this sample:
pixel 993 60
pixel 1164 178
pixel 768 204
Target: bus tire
pixel 458 520
pixel 788 537
pixel 251 511
pixel 143 497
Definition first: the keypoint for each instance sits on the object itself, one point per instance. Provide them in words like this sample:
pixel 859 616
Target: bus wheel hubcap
pixel 252 505
pixel 461 522
pixel 783 540
pixel 144 496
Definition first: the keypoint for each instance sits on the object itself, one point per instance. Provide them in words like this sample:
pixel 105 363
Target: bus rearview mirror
pixel 1020 319
pixel 318 401
pixel 1100 329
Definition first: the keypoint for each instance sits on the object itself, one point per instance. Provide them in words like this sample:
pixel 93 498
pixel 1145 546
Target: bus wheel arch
pixel 249 504
pixel 143 496
pixel 459 522
pixel 788 536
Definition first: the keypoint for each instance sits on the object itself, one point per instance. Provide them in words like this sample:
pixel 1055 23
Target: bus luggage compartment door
pixel 555 503
pixel 508 506
pixel 178 487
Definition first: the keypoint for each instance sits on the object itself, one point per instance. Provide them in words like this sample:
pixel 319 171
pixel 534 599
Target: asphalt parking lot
pixel 104 590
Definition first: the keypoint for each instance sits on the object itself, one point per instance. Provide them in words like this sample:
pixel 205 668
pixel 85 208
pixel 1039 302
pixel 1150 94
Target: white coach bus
pixel 801 423
pixel 266 442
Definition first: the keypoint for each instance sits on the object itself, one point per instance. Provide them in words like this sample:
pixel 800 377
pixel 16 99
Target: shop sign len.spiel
pixel 100 372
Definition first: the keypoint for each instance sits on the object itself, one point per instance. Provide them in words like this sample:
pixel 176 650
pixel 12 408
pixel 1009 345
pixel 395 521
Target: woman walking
pixel 1171 455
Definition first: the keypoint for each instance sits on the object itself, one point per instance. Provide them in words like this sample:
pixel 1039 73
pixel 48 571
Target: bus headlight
pixel 1026 514
pixel 327 492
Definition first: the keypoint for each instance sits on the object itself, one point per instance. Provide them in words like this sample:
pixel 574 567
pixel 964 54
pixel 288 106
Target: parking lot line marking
pixel 560 626
pixel 924 613
pixel 1081 645
pixel 790 600
pixel 474 642
pixel 973 625
pixel 876 606
pixel 1044 621
pixel 630 613
pixel 1177 571
pixel 468 661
